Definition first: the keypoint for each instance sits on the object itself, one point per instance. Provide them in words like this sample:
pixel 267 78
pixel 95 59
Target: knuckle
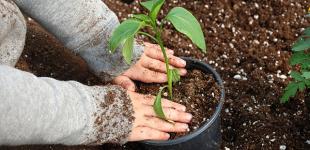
pixel 148 97
pixel 158 124
pixel 161 66
pixel 174 113
pixel 150 65
pixel 158 53
pixel 172 60
pixel 142 130
pixel 169 113
pixel 156 74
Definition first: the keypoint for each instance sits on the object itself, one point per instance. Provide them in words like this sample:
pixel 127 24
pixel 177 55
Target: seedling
pixel 180 18
pixel 300 57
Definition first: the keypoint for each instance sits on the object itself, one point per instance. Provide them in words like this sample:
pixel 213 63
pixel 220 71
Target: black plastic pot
pixel 207 136
pixel 127 1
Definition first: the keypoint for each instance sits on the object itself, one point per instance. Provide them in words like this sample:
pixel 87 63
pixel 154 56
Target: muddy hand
pixel 150 68
pixel 148 127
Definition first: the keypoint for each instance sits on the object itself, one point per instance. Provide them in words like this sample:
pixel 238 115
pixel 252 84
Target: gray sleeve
pixel 46 111
pixel 84 26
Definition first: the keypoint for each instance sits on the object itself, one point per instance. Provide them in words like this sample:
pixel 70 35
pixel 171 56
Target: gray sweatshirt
pixel 36 110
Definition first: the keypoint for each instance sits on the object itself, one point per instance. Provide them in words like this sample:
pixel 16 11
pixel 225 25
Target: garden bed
pixel 248 44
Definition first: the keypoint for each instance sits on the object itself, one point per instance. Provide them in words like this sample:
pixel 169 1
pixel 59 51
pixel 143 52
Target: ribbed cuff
pixel 113 118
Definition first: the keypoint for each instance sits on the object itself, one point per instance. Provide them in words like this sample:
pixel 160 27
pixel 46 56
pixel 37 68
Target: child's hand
pixel 148 127
pixel 150 68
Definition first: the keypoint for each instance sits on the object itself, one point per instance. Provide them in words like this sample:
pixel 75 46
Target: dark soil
pixel 44 56
pixel 197 91
pixel 248 44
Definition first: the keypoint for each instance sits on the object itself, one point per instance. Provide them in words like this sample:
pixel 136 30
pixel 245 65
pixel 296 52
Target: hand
pixel 148 127
pixel 150 68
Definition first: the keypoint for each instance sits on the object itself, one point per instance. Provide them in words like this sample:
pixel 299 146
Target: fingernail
pixel 185 126
pixel 170 51
pixel 183 62
pixel 132 89
pixel 189 117
pixel 167 136
pixel 183 108
pixel 183 71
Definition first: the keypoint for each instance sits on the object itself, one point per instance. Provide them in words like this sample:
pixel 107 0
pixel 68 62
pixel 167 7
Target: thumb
pixel 125 82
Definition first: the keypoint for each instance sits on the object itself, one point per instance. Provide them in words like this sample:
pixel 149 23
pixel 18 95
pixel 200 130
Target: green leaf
pixel 187 24
pixel 127 49
pixel 157 105
pixel 307 82
pixel 297 76
pixel 142 17
pixel 155 9
pixel 306 74
pixel 301 44
pixel 290 91
pixel 125 30
pixel 301 86
pixel 299 57
pixel 148 5
pixel 173 77
pixel 153 6
pixel 307 31
pixel 305 65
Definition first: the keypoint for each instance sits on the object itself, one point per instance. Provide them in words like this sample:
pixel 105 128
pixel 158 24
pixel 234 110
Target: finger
pixel 156 53
pixel 147 133
pixel 176 62
pixel 149 100
pixel 170 113
pixel 165 126
pixel 160 66
pixel 173 60
pixel 154 47
pixel 125 82
pixel 147 75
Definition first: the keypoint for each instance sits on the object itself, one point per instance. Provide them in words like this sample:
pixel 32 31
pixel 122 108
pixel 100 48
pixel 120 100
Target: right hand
pixel 148 127
pixel 150 68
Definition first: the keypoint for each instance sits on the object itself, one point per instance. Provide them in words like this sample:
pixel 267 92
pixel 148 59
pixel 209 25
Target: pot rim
pixel 216 76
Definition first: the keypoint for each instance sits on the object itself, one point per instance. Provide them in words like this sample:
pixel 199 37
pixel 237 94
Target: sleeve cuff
pixel 113 118
pixel 121 66
pixel 106 65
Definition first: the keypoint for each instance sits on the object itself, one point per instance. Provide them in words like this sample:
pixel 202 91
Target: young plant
pixel 301 58
pixel 180 18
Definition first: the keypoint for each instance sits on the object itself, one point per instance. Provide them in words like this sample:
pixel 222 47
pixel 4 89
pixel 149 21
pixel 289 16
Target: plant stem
pixel 161 44
pixel 148 35
pixel 158 40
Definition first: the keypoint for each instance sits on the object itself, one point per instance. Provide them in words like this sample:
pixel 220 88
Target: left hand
pixel 147 126
pixel 150 68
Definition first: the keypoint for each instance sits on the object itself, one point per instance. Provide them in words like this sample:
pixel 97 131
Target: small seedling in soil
pixel 300 58
pixel 180 18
